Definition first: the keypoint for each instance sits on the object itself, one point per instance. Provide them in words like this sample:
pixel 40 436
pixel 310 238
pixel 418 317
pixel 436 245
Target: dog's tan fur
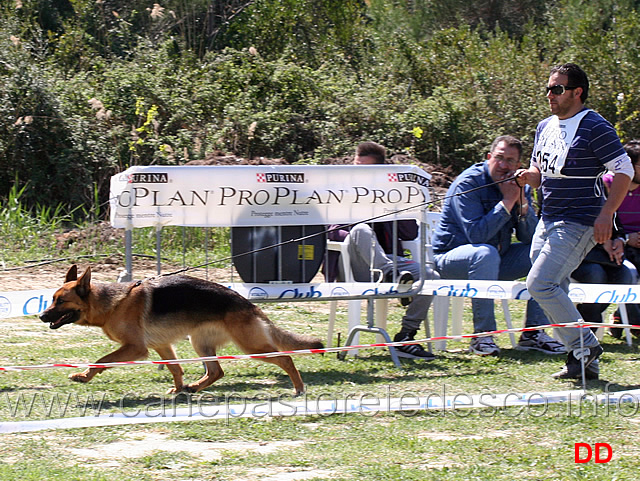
pixel 157 313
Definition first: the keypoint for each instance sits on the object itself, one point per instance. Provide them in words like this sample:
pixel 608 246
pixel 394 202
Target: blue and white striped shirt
pixel 578 195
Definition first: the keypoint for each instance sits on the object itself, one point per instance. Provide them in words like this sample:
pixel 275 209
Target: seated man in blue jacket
pixel 473 240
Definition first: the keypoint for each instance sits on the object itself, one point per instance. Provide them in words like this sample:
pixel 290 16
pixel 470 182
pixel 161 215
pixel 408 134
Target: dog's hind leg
pixel 168 352
pixel 257 342
pixel 213 371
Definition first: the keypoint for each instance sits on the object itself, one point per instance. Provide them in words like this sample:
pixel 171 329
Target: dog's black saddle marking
pixel 189 294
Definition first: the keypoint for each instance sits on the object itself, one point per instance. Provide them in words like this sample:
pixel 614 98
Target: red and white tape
pixel 240 357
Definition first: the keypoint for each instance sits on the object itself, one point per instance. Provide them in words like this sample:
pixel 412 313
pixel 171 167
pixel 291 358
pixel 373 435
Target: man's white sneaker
pixel 484 346
pixel 540 341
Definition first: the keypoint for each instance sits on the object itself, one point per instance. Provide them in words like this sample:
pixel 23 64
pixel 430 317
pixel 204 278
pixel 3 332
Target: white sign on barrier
pixel 596 293
pixel 314 292
pixel 265 195
pixel 27 303
pixel 482 289
pixel 24 303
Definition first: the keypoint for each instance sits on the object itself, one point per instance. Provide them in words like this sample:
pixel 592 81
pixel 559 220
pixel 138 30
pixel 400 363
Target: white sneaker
pixel 540 341
pixel 484 346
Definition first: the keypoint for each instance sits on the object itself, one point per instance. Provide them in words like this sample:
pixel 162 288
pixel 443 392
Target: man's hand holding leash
pixel 529 176
pixel 603 225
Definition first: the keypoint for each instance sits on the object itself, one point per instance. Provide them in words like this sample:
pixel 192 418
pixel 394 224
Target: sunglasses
pixel 559 89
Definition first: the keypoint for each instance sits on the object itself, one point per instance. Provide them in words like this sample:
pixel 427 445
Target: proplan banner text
pixel 201 196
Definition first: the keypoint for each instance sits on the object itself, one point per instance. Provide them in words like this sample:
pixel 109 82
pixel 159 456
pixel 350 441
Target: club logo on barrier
pixel 258 293
pixel 496 292
pixel 577 295
pixel 339 292
pixel 456 291
pixel 5 307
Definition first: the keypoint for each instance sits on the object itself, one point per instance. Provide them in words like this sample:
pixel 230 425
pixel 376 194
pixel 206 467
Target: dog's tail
pixel 289 341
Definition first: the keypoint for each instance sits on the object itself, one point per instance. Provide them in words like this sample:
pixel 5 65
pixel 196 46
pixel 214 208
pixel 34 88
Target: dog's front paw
pixel 184 388
pixel 189 388
pixel 176 390
pixel 79 377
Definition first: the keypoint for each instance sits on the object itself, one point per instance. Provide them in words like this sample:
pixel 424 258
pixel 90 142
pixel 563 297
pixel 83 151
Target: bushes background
pixel 91 87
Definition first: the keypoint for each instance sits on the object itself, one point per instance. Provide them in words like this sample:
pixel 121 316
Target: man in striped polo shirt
pixel 573 149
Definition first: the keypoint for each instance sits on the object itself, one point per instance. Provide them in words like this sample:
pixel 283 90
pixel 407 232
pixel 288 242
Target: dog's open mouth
pixel 67 318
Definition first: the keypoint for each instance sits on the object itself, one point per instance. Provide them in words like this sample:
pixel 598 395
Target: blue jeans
pixel 557 250
pixel 484 262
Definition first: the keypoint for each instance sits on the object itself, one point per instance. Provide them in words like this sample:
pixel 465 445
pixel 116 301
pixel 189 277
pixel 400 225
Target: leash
pixel 343 226
pixel 299 239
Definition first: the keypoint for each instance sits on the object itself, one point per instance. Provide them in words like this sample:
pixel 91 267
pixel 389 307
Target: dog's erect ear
pixel 84 283
pixel 72 273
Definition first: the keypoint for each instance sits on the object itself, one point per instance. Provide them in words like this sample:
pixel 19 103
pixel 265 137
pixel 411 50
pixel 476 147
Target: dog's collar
pixel 134 285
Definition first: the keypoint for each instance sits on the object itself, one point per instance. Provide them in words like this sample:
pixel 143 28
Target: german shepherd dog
pixel 156 313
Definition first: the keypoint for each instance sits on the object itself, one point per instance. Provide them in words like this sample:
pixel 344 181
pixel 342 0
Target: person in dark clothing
pixel 603 265
pixel 371 246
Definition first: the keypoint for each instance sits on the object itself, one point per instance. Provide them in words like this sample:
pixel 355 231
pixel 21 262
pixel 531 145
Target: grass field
pixel 533 442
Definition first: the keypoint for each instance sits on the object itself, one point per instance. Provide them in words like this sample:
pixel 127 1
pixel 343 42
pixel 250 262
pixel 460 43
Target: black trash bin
pixel 294 261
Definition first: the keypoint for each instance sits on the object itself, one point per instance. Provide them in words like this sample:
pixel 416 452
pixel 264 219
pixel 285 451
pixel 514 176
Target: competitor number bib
pixel 554 143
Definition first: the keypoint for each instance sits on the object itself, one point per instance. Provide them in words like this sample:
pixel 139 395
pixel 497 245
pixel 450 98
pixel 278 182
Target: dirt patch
pixel 439 436
pixel 284 474
pixel 149 443
pixel 139 445
pixel 48 276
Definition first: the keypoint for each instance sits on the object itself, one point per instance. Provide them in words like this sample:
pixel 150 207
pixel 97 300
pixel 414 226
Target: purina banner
pixel 225 196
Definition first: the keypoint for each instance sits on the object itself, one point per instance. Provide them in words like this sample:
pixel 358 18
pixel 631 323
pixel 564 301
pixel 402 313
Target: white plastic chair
pixel 381 306
pixel 354 307
pixel 625 320
pixel 441 303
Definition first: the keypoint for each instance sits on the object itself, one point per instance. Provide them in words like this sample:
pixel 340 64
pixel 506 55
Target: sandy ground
pixel 138 445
